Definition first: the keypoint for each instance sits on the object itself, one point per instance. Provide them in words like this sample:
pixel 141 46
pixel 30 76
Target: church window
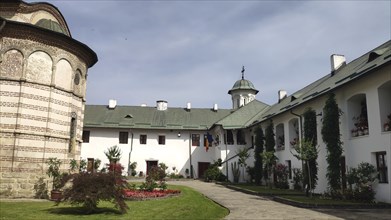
pixel 86 136
pixel 72 133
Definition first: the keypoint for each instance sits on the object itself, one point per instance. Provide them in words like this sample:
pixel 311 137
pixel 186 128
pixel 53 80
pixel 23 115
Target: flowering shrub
pixel 144 194
pixel 281 172
pixel 362 179
pixel 115 168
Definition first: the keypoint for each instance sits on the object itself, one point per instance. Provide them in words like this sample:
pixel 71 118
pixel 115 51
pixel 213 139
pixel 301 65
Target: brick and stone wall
pixel 42 89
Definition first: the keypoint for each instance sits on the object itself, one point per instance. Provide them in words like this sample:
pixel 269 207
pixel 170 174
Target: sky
pixel 193 51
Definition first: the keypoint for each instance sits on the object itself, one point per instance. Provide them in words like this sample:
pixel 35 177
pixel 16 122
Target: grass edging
pixel 287 201
pixel 331 206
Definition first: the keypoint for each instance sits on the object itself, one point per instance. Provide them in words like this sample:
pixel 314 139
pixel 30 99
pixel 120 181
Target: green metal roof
pixel 243 84
pixel 243 116
pixel 51 25
pixel 151 118
pixel 345 74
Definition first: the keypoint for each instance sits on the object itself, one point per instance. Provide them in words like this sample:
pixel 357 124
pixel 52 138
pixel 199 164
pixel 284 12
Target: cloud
pixel 193 51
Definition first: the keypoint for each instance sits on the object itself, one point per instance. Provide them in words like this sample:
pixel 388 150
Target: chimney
pixel 215 107
pixel 112 103
pixel 337 61
pixel 161 105
pixel 281 95
pixel 188 106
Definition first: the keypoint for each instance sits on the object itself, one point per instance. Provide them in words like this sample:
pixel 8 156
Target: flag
pixel 208 140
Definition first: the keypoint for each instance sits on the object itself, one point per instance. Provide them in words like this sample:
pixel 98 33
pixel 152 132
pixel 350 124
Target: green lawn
pixel 188 205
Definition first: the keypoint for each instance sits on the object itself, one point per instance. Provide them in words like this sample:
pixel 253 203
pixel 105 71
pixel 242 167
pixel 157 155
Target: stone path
pixel 245 206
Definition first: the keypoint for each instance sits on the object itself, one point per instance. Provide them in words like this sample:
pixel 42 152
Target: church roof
pixel 243 84
pixel 356 69
pixel 151 118
pixel 51 25
pixel 243 116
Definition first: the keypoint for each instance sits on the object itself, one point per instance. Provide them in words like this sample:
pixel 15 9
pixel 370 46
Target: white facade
pixel 370 92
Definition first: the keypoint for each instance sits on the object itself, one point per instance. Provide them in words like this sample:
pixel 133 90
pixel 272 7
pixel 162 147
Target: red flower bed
pixel 143 194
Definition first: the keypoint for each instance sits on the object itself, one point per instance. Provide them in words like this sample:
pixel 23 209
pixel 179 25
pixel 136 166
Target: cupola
pixel 242 92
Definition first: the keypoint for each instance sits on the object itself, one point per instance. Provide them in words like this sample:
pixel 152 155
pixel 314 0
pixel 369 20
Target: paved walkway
pixel 245 206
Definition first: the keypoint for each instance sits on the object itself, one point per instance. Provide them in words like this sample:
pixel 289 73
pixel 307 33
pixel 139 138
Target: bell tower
pixel 242 92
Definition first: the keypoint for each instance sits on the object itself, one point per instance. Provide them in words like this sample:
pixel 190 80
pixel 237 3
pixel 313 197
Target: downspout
pixel 300 123
pixel 226 153
pixel 191 165
pixel 301 134
pixel 130 153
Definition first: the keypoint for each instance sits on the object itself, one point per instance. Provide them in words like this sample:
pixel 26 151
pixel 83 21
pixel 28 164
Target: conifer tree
pixel 269 137
pixel 259 144
pixel 270 142
pixel 310 137
pixel 331 137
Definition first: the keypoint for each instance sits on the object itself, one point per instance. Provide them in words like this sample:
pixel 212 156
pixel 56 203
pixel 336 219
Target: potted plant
pixel 54 172
pixel 187 173
pixel 354 132
pixel 387 125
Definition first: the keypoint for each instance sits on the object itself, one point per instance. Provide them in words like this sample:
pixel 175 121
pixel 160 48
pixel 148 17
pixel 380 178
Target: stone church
pixel 43 73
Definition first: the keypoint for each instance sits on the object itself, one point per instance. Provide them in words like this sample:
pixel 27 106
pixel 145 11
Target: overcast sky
pixel 193 51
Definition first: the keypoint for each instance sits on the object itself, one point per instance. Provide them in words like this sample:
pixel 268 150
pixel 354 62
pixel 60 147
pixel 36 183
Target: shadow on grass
pixel 82 211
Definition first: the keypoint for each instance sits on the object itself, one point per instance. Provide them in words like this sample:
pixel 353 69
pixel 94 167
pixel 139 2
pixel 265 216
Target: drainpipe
pixel 130 153
pixel 226 153
pixel 300 123
pixel 191 165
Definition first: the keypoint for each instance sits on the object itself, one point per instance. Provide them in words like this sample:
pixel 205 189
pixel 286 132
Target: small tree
pixel 113 154
pixel 306 153
pixel 243 156
pixel 331 137
pixel 73 165
pixel 310 137
pixel 269 159
pixel 88 189
pixel 54 171
pixel 297 178
pixel 235 172
pixel 259 143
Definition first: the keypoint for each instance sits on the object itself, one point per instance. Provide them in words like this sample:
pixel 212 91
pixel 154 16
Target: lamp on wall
pixel 179 134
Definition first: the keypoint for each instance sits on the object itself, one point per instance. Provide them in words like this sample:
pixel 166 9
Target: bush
pixel 213 173
pixel 362 178
pixel 41 189
pixel 88 189
pixel 176 176
pixel 155 179
pixel 281 172
pixel 297 178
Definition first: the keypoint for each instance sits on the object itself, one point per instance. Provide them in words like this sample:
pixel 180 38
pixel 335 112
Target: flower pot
pixel 55 195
